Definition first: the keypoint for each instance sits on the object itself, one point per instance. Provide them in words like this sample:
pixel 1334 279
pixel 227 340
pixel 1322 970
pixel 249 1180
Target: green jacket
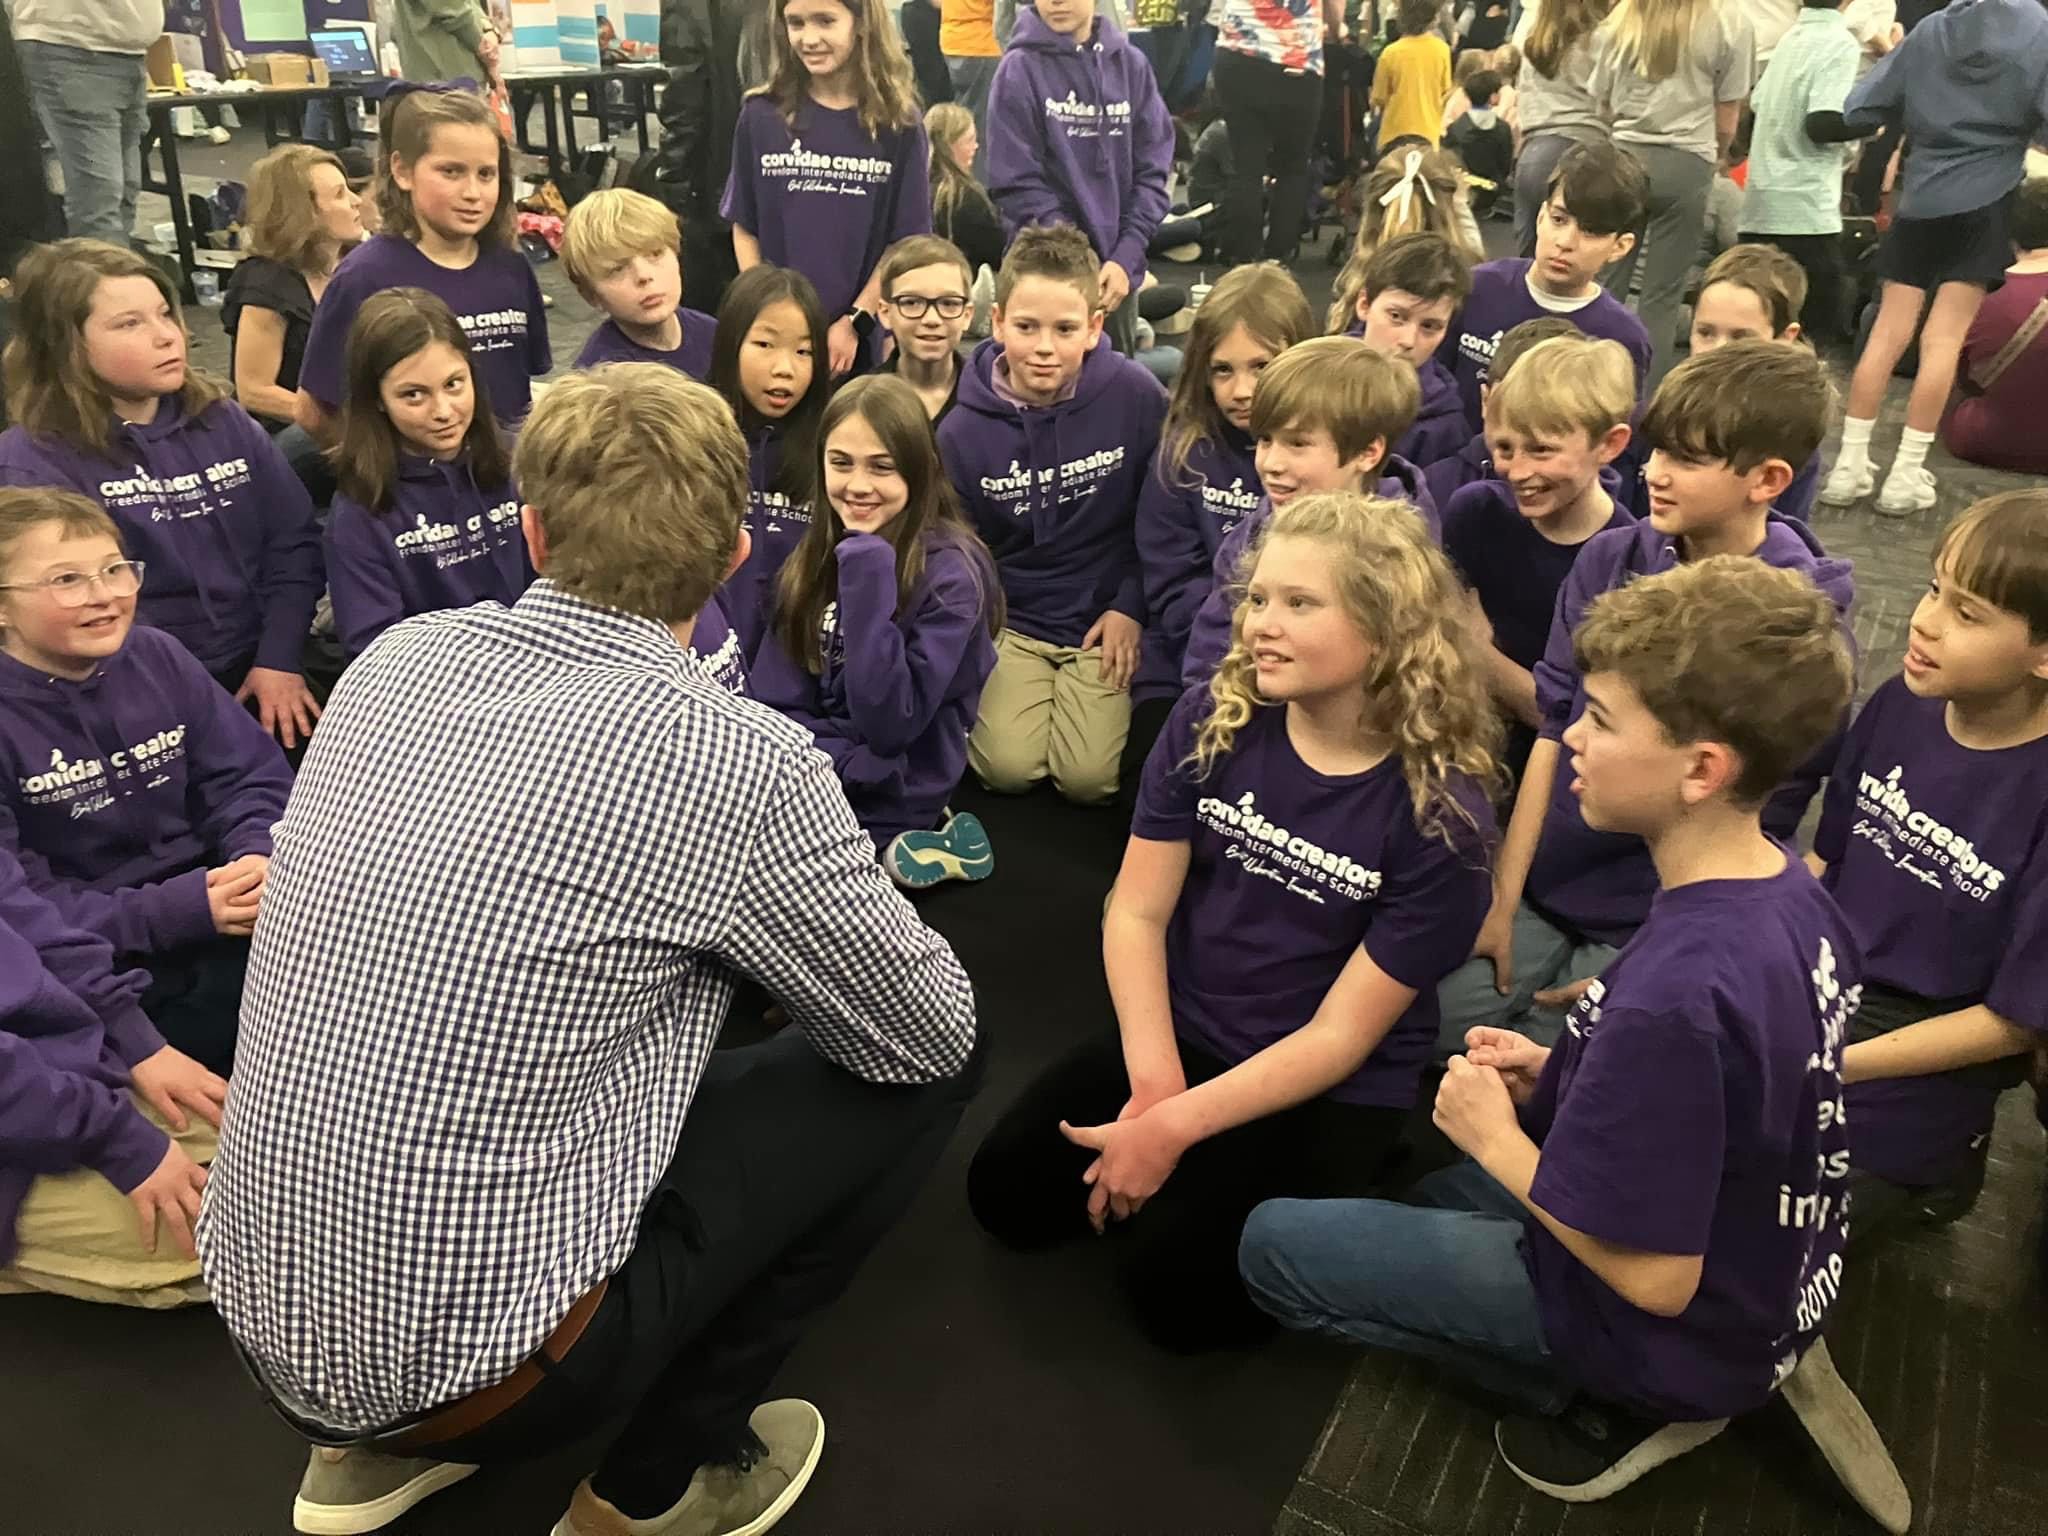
pixel 437 39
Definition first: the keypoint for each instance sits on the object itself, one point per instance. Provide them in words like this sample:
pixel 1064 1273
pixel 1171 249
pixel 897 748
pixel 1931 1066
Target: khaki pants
pixel 1046 712
pixel 78 1237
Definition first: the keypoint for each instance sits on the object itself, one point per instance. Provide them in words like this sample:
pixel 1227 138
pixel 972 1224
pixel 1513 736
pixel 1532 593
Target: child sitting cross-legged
pixel 1322 418
pixel 1047 449
pixel 620 248
pixel 1724 433
pixel 1308 855
pixel 1934 839
pixel 1554 425
pixel 885 622
pixel 1648 1227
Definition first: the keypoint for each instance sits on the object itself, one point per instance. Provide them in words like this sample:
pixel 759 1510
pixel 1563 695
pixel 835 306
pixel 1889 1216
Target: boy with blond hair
pixel 1649 1225
pixel 1724 432
pixel 620 249
pixel 599 887
pixel 1325 416
pixel 1934 838
pixel 1554 427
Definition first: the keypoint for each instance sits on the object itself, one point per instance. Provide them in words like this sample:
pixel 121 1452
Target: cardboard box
pixel 286 69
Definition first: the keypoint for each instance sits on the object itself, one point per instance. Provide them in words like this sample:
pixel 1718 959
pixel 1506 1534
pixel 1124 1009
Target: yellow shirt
pixel 1411 83
pixel 967 29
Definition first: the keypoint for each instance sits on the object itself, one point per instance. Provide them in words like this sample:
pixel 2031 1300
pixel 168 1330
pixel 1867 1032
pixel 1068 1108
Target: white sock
pixel 1912 454
pixel 1855 452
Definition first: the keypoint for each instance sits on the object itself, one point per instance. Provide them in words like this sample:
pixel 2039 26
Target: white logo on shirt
pixel 803 171
pixel 1083 119
pixel 1899 832
pixel 1231 504
pixel 1073 480
pixel 1270 851
pixel 69 779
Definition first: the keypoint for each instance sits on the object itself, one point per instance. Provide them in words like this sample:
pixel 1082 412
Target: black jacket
pixel 700 43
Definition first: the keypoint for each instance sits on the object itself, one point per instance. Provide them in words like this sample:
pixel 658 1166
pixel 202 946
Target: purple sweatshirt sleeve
pixel 913 212
pixel 897 679
pixel 84 962
pixel 1209 636
pixel 236 777
pixel 1017 151
pixel 52 1121
pixel 290 579
pixel 136 919
pixel 1171 555
pixel 1153 168
pixel 360 579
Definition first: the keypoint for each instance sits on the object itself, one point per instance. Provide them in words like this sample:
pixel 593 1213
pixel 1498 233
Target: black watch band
pixel 863 322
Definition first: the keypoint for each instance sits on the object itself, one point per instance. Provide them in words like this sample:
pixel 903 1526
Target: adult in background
pixel 1671 76
pixel 444 40
pixel 83 60
pixel 967 38
pixel 716 51
pixel 487 1185
pixel 919 21
pixel 1268 80
pixel 1554 100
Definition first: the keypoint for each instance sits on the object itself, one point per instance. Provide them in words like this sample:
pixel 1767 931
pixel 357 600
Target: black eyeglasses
pixel 913 305
pixel 73 589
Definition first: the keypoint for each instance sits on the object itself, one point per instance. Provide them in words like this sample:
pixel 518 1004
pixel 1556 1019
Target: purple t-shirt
pixel 692 356
pixel 1289 872
pixel 1938 855
pixel 1501 300
pixel 1513 568
pixel 496 299
pixel 1693 1106
pixel 829 198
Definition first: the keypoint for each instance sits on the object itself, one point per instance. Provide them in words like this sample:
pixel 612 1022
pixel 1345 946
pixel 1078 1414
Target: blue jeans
pixel 1545 957
pixel 972 78
pixel 1442 1279
pixel 92 107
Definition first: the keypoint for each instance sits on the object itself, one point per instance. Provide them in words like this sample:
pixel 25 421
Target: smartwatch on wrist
pixel 863 322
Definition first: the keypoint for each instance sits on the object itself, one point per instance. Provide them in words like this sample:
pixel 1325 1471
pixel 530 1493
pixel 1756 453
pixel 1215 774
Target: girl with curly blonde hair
pixel 1307 861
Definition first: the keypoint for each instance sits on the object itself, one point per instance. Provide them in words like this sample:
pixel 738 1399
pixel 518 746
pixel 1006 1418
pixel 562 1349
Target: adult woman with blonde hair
pixel 1671 77
pixel 302 218
pixel 1554 108
pixel 1309 855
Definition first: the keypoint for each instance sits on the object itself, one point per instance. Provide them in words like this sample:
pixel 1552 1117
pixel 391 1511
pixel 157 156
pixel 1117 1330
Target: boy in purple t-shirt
pixel 1650 1224
pixel 1474 462
pixel 620 250
pixel 1934 839
pixel 1725 431
pixel 1596 196
pixel 1555 425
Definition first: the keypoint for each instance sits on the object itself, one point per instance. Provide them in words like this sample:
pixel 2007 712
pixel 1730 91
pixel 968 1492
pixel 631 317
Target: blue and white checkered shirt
pixel 528 852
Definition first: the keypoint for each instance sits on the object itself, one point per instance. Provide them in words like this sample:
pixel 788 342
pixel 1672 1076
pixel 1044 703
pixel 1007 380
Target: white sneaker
pixel 1847 484
pixel 1907 491
pixel 218 134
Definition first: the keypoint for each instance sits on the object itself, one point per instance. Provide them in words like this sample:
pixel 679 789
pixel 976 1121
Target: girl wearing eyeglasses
pixel 926 303
pixel 137 796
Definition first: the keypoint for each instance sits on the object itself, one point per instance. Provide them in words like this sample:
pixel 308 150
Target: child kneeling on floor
pixel 1048 449
pixel 885 622
pixel 1652 1214
pixel 1934 839
pixel 1307 857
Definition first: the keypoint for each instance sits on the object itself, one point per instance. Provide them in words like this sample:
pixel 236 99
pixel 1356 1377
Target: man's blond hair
pixel 612 226
pixel 1567 384
pixel 638 477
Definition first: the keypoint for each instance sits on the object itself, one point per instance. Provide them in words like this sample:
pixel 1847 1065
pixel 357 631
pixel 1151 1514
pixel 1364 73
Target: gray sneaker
pixel 740 1498
pixel 345 1493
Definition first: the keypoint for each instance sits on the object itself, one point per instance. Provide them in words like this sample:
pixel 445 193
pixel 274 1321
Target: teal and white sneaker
pixel 958 850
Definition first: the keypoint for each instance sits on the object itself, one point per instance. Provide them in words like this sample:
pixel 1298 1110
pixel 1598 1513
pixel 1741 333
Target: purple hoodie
pixel 1053 490
pixel 900 689
pixel 210 506
pixel 1209 640
pixel 71 1028
pixel 776 526
pixel 1599 884
pixel 609 344
pixel 123 790
pixel 1183 520
pixel 445 542
pixel 1472 463
pixel 1440 430
pixel 1078 134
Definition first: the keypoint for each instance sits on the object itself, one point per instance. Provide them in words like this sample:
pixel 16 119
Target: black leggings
pixel 195 998
pixel 1272 115
pixel 1176 1260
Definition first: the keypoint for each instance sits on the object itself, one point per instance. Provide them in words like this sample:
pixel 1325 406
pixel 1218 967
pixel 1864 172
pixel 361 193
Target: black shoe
pixel 1592 1450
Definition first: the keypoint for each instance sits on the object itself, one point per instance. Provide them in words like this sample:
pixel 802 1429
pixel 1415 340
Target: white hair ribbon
pixel 1404 189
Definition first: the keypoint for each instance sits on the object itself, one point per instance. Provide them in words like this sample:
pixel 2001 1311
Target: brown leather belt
pixel 466 1415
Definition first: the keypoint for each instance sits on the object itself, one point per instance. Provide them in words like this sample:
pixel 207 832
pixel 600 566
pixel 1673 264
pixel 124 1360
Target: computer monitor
pixel 345 51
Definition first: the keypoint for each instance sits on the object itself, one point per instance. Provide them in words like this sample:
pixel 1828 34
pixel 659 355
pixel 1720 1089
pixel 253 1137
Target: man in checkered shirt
pixel 483 1181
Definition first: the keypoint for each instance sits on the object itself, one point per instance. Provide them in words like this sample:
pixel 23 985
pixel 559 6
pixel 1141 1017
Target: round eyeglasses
pixel 911 306
pixel 74 589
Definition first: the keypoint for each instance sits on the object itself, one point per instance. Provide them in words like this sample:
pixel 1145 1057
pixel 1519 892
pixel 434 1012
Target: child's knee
pixel 1007 762
pixel 1086 779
